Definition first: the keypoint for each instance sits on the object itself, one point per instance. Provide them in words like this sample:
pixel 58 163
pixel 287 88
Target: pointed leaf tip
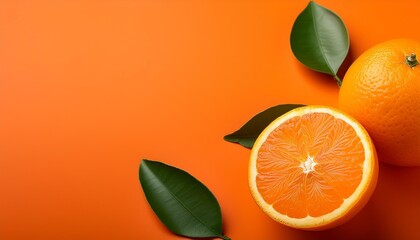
pixel 249 132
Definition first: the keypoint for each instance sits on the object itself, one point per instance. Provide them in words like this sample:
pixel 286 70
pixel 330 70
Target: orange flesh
pixel 338 155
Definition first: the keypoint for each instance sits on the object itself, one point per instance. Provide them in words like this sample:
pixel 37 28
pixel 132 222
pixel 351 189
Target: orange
pixel 381 89
pixel 313 168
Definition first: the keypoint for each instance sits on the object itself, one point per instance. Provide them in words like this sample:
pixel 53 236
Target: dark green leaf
pixel 249 132
pixel 181 202
pixel 319 39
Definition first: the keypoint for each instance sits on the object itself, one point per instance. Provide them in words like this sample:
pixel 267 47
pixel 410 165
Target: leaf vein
pixel 186 208
pixel 315 25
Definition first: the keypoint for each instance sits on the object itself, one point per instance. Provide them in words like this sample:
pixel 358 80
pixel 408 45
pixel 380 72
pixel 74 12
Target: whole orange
pixel 381 89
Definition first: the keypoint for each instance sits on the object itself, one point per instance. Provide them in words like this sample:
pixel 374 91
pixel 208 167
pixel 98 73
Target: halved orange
pixel 313 168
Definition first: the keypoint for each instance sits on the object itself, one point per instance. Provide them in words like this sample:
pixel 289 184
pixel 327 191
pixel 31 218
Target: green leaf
pixel 319 39
pixel 181 202
pixel 249 132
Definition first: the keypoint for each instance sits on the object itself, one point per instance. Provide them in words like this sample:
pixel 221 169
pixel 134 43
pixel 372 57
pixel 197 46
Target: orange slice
pixel 313 168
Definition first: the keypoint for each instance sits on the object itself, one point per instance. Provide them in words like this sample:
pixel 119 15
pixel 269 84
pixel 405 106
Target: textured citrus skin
pixel 382 92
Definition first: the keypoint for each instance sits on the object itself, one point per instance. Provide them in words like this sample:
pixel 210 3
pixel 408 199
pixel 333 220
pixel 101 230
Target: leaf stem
pixel 224 237
pixel 339 82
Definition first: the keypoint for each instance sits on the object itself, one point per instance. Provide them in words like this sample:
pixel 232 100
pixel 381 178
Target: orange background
pixel 90 87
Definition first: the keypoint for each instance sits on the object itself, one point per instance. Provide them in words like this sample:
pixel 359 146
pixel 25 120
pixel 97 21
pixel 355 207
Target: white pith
pixel 308 165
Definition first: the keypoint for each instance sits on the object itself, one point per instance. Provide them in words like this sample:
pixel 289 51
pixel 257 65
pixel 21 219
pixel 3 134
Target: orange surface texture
pixel 90 87
pixel 279 158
